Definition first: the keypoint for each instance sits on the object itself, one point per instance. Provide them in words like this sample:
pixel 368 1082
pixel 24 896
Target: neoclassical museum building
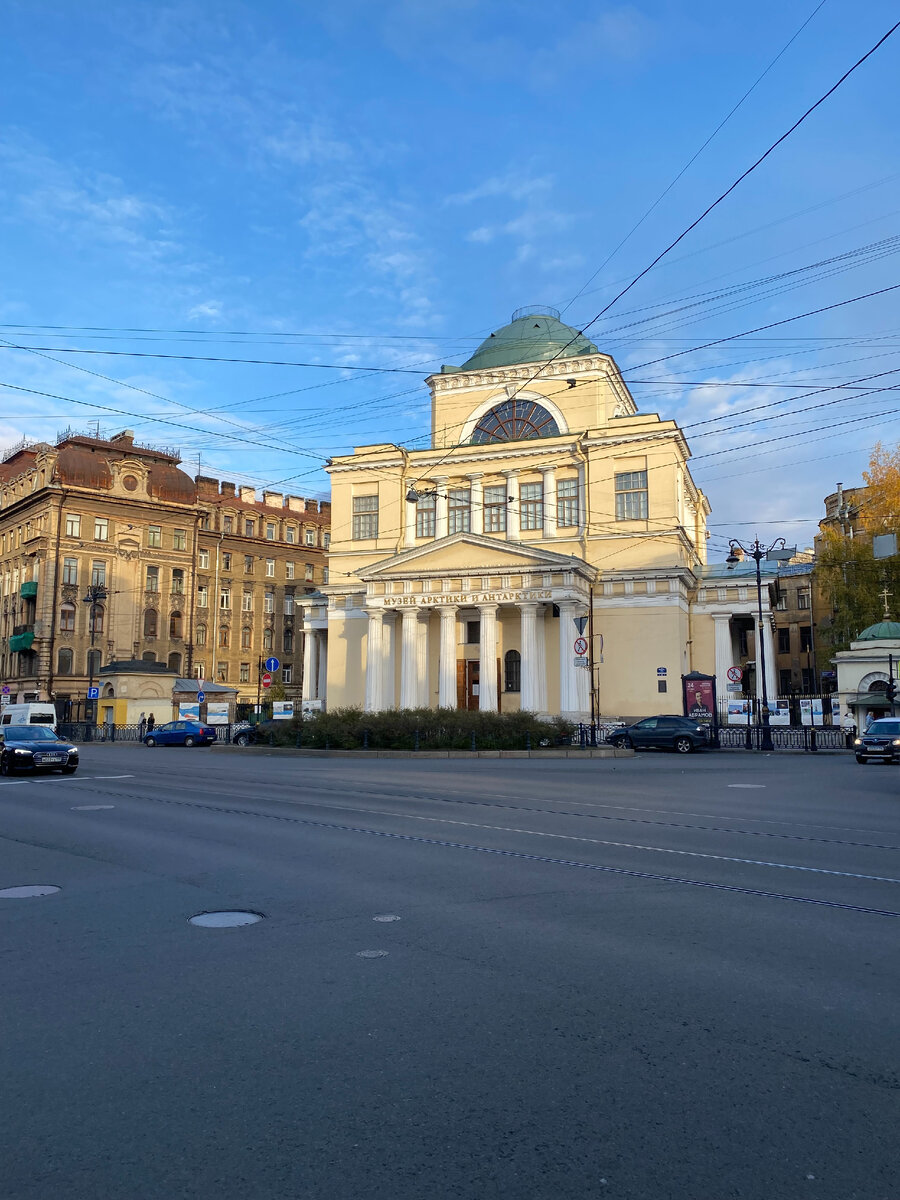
pixel 549 543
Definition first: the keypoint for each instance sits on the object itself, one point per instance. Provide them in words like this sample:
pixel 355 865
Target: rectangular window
pixel 179 539
pixel 154 535
pixel 222 672
pixel 781 606
pixel 495 508
pixel 473 633
pixel 199 670
pixel 227 524
pixel 326 540
pixel 662 685
pixel 249 528
pixel 269 602
pixel 73 525
pixel 246 637
pixel 324 574
pixel 531 505
pixel 289 534
pixel 784 681
pixel 459 510
pixel 70 570
pixel 204 521
pixel 631 496
pixel 178 580
pixel 98 574
pixel 203 596
pixel 223 637
pixel 287 674
pixel 225 598
pixel 226 562
pixel 365 517
pixel 101 529
pixel 425 509
pixel 806 638
pixel 288 604
pixel 270 568
pixel 203 560
pixel 809 680
pixel 289 570
pixel 309 574
pixel 152 579
pixel 803 599
pixel 784 641
pixel 310 537
pixel 270 531
pixel 567 503
pixel 248 564
pixel 245 672
pixel 247 602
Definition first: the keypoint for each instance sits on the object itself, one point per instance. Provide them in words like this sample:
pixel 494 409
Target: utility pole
pixel 95 594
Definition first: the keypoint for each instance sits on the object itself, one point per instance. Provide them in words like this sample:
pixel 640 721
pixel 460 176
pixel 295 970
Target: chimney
pixel 206 485
pixel 125 438
pixel 295 503
pixel 248 495
pixel 273 499
pixel 227 489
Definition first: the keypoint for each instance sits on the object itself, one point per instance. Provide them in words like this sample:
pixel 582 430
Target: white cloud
pixel 209 311
pixel 512 186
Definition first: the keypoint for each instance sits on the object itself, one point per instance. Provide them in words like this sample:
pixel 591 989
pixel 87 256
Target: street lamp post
pixel 776 552
pixel 95 594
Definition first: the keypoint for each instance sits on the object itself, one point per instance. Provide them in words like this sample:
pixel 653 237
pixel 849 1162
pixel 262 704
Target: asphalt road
pixel 643 978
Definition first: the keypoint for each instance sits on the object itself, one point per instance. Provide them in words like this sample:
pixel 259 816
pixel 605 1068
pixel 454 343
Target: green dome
pixel 533 335
pixel 882 631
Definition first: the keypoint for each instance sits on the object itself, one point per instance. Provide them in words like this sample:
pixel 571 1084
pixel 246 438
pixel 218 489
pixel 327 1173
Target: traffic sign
pixel 580 623
pixel 272 664
pixel 580 646
pixel 5 689
pixel 201 696
pixel 93 693
pixel 267 680
pixel 735 674
pixel 581 662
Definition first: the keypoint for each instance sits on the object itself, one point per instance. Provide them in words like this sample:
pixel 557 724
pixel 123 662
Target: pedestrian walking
pixel 151 723
pixel 869 719
pixel 142 726
pixel 848 724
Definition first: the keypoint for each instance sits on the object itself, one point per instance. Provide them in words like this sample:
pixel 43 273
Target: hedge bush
pixel 438 729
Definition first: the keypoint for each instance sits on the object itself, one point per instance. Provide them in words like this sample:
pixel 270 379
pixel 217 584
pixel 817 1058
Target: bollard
pixel 365 739
pixel 112 733
pixel 813 744
pixel 472 742
pixel 271 738
pixel 528 739
pixel 416 740
pixel 299 739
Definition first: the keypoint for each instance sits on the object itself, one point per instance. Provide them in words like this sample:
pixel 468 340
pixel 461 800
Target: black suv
pixel 881 742
pixel 665 733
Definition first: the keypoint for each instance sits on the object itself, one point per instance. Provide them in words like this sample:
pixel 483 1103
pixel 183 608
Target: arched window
pixel 224 636
pixel 513 421
pixel 64 662
pixel 246 637
pixel 95 623
pixel 175 625
pixel 67 618
pixel 201 635
pixel 288 641
pixel 175 662
pixel 513 671
pixel 267 639
pixel 94 659
pixel 148 656
pixel 151 623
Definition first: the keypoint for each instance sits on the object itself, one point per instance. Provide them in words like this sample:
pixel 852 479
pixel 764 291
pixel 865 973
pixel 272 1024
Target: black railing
pixel 804 737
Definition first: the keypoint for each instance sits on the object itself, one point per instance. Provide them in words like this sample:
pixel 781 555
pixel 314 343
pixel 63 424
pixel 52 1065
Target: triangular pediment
pixel 473 554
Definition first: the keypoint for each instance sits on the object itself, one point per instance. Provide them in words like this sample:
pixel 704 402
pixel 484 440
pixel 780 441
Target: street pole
pixel 95 593
pixel 259 664
pixel 591 666
pixel 891 681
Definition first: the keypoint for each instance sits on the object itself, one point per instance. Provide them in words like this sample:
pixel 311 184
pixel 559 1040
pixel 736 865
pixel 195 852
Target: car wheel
pixel 5 766
pixel 242 740
pixel 861 758
pixel 684 745
pixel 69 770
pixel 189 741
pixel 151 742
pixel 626 743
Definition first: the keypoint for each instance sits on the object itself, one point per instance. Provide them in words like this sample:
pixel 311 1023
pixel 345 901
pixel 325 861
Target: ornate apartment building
pixel 201 576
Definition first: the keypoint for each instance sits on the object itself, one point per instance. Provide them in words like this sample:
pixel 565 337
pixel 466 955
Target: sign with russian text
pixel 699 698
pixel 282 710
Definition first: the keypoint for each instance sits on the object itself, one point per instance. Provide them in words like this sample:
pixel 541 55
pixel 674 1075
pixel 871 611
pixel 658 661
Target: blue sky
pixel 379 185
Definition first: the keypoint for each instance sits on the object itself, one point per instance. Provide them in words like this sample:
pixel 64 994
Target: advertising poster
pixel 779 712
pixel 188 712
pixel 806 712
pixel 818 716
pixel 282 710
pixel 217 712
pixel 738 711
pixel 699 698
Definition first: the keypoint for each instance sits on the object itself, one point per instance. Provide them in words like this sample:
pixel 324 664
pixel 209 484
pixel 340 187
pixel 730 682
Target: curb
pixel 566 752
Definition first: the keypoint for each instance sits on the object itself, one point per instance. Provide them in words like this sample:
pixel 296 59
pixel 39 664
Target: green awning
pixel 21 641
pixel 28 591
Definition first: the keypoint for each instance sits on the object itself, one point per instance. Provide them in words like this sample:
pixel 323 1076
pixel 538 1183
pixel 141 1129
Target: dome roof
pixel 883 630
pixel 533 335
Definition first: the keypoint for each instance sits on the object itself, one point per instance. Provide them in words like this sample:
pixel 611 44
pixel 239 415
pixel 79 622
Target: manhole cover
pixel 385 917
pixel 29 889
pixel 371 954
pixel 225 920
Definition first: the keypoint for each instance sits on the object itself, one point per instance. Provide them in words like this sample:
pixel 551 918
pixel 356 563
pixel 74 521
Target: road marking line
pixel 746 785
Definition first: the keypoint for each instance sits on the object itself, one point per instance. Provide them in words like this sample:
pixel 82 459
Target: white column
pixel 529 698
pixel 568 688
pixel 512 509
pixel 375 661
pixel 389 641
pixel 724 653
pixel 541 668
pixel 549 474
pixel 322 665
pixel 309 664
pixel 423 695
pixel 409 518
pixel 447 681
pixel 769 645
pixel 409 683
pixel 487 671
pixel 440 506
pixel 476 503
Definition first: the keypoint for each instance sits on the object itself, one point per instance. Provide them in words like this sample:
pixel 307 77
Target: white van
pixel 28 714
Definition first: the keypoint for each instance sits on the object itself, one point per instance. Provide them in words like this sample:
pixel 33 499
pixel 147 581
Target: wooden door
pixel 461 684
pixel 473 675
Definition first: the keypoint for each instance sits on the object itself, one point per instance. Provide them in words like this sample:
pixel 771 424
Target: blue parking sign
pixel 93 693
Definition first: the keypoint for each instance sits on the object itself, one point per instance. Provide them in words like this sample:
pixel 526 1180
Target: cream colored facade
pixel 543 489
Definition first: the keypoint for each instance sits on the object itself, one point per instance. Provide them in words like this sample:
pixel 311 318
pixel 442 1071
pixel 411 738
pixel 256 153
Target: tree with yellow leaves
pixel 881 508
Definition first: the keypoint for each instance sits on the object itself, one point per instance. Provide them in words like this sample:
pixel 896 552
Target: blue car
pixel 181 733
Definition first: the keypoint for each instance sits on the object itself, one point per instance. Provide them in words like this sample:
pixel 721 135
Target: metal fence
pixel 805 737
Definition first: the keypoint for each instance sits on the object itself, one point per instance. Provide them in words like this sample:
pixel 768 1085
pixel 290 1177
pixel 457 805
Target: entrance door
pixel 473 674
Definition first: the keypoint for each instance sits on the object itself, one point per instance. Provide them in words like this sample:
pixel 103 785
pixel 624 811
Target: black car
pixel 664 733
pixel 880 742
pixel 35 748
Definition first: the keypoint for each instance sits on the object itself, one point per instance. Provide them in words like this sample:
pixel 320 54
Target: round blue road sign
pixel 272 664
pixel 201 696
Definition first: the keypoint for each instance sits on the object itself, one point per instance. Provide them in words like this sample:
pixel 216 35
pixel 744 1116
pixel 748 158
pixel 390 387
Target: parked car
pixel 880 742
pixel 241 733
pixel 181 733
pixel 664 733
pixel 35 748
pixel 254 735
